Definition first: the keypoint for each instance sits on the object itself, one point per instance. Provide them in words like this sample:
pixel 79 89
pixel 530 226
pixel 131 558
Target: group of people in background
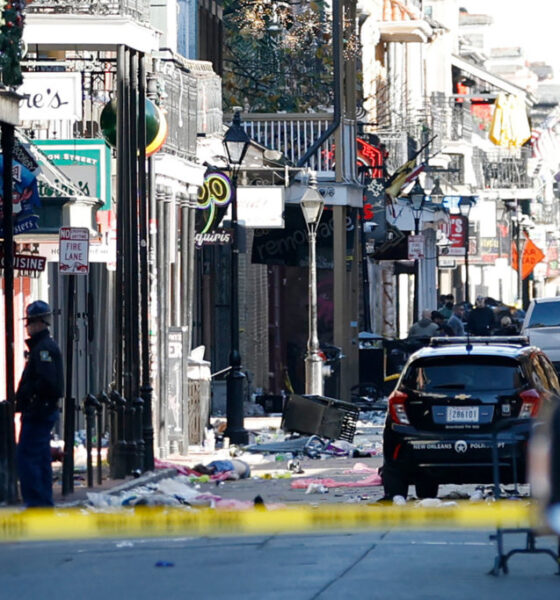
pixel 486 317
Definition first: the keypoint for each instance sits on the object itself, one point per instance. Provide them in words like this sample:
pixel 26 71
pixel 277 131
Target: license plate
pixel 462 414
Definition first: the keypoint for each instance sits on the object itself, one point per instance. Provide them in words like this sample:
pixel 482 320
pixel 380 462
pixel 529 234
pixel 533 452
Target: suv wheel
pixel 426 488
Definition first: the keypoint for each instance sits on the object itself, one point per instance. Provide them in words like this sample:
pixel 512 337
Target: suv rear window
pixel 469 373
pixel 545 314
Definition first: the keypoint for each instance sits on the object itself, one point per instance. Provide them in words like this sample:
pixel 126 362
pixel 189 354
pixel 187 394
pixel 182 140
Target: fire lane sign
pixel 73 251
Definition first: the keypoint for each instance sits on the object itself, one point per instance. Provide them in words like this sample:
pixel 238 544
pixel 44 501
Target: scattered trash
pixel 259 502
pixel 295 467
pixel 124 545
pixel 282 456
pixel 372 417
pixel 456 495
pixel 209 439
pixel 361 468
pixel 487 492
pixel 429 502
pixel 341 448
pixel 164 563
pixel 316 488
pixel 274 475
pixel 434 503
pixel 399 500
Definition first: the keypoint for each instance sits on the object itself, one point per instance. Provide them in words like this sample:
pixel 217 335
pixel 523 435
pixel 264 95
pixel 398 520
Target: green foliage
pixel 278 56
pixel 11 31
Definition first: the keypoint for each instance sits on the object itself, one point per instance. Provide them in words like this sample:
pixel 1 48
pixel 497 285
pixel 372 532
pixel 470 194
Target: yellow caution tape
pixel 75 523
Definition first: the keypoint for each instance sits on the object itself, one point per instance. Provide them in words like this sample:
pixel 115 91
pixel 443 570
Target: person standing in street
pixel 443 328
pixel 446 309
pixel 40 388
pixel 506 327
pixel 481 318
pixel 455 321
pixel 422 330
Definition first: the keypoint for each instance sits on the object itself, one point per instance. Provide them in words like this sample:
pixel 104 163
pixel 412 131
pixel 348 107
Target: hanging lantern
pixel 161 135
pixel 156 126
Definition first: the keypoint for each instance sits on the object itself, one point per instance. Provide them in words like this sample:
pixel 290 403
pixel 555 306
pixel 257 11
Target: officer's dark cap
pixel 38 311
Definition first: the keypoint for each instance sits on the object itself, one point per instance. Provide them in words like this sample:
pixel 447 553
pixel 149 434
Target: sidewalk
pixel 194 456
pixel 108 485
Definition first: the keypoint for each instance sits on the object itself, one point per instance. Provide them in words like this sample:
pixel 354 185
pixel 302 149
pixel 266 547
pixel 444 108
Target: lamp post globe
pixel 417 197
pixel 236 143
pixel 436 195
pixel 312 207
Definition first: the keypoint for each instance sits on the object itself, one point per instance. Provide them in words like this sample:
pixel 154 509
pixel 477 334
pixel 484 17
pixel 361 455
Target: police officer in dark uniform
pixel 40 388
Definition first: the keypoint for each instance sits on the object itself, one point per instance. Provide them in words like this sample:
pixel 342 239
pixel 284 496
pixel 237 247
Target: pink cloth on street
pixel 373 479
pixel 182 469
pixel 361 468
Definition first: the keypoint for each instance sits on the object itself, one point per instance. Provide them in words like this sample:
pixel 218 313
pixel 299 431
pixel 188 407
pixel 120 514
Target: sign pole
pixel 73 260
pixel 69 401
pixel 8 478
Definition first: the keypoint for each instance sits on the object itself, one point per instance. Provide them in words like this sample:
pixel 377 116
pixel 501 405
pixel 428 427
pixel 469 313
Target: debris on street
pixel 372 479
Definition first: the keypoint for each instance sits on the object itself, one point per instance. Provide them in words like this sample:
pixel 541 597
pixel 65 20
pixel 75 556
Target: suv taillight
pixel 397 409
pixel 531 402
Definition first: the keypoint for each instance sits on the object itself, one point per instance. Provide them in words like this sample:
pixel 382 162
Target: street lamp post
pixel 312 208
pixel 417 198
pixel 519 265
pixel 236 143
pixel 465 205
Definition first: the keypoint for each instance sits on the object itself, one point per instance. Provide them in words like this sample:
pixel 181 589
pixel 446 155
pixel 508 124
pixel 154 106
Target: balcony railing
pixel 507 169
pixel 139 10
pixel 192 101
pixel 292 134
pixel 180 101
pixel 191 98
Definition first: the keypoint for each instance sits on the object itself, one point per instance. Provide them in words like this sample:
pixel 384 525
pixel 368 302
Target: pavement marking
pixel 143 521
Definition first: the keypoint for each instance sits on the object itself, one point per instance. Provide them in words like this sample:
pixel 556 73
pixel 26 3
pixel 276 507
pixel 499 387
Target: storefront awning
pixel 497 83
pixel 67 206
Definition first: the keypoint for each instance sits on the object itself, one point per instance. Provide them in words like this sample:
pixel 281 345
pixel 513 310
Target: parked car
pixel 542 326
pixel 450 399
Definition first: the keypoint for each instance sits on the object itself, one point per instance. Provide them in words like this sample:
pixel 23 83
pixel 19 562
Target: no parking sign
pixel 73 251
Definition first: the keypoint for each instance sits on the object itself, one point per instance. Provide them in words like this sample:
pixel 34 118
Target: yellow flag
pixel 398 179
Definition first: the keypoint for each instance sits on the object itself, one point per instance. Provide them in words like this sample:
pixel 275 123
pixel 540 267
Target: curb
pixel 145 479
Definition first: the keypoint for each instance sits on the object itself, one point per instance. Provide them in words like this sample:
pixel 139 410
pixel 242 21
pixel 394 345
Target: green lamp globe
pixel 108 122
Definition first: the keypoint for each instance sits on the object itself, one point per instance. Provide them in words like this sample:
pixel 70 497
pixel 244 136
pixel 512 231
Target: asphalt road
pixel 367 566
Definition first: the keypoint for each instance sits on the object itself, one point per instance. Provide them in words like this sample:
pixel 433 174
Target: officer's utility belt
pixel 42 406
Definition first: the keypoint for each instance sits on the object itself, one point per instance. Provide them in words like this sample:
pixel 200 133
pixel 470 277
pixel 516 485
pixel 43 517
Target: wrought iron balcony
pixel 507 169
pixel 292 134
pixel 190 95
pixel 191 98
pixel 139 10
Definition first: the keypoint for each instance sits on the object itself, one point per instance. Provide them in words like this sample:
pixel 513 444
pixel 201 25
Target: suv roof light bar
pixel 512 340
